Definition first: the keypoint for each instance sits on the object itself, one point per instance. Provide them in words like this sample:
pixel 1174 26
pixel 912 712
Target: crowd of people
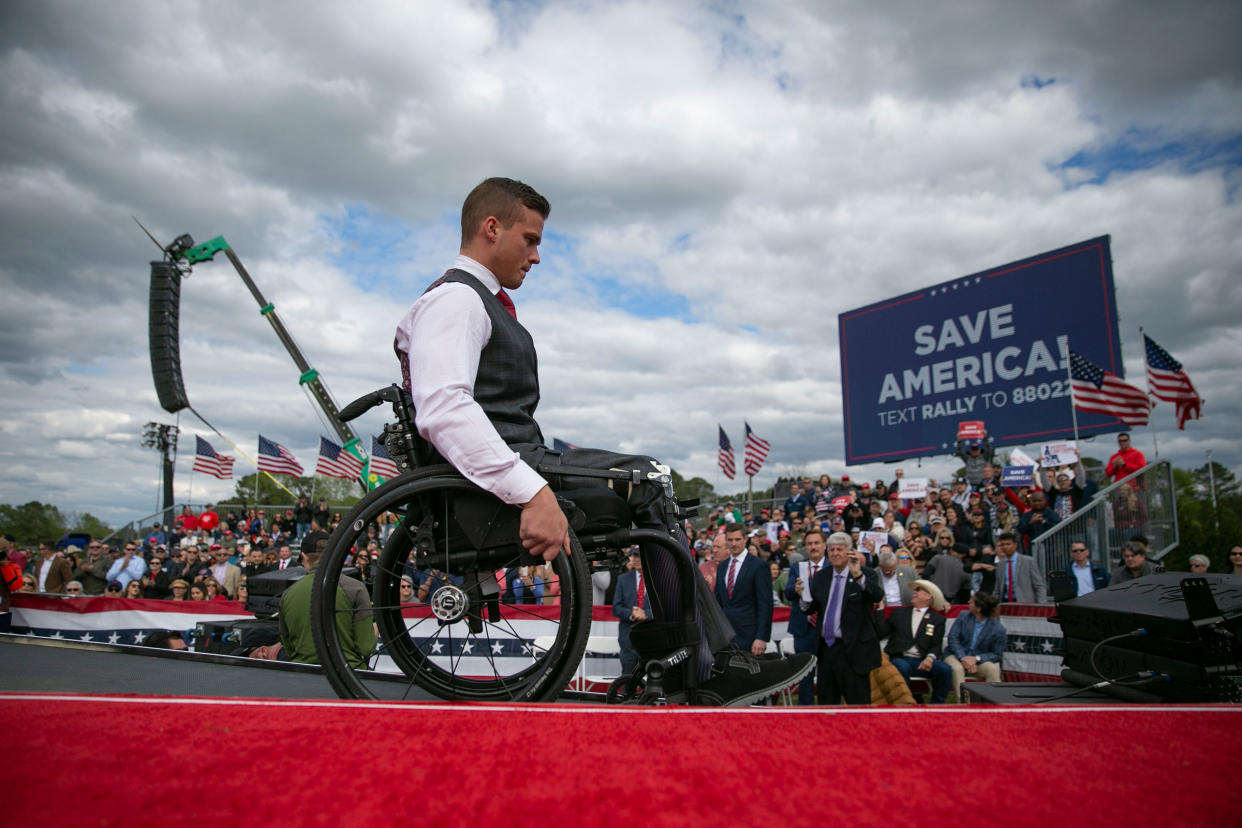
pixel 965 542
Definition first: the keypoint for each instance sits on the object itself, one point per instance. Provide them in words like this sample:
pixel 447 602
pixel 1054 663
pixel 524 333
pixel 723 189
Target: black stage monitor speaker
pixel 263 591
pixel 165 336
pixel 1184 629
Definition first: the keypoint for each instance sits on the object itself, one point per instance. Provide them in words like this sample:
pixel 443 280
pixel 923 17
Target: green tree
pixel 694 487
pixel 88 523
pixel 338 493
pixel 32 522
pixel 1204 528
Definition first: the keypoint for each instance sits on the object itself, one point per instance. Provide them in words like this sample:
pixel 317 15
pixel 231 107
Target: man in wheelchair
pixel 472 373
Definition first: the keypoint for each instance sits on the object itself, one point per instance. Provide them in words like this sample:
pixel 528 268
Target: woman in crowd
pixel 133 589
pixel 1006 519
pixel 824 487
pixel 956 525
pixel 1234 565
pixel 551 586
pixel 179 589
pixel 197 593
pixel 904 557
pixel 362 560
pixel 29 584
pixel 779 579
pixel 213 591
pixel 243 591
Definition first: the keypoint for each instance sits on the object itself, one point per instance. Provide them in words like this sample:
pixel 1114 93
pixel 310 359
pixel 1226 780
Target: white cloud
pixel 763 169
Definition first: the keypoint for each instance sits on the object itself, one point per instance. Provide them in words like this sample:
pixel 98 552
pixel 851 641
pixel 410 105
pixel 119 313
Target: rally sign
pixel 912 488
pixel 1015 477
pixel 1052 455
pixel 971 430
pixel 1018 457
pixel 991 346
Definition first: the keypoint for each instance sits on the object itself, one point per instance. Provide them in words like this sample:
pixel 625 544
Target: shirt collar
pixel 478 271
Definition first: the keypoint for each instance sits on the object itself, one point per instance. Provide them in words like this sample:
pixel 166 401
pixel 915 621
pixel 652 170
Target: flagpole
pixel 1069 377
pixel 1151 422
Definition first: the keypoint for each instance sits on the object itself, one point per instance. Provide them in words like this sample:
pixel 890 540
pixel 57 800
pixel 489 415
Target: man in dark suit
pixel 744 591
pixel 843 595
pixel 916 639
pixel 802 628
pixel 630 605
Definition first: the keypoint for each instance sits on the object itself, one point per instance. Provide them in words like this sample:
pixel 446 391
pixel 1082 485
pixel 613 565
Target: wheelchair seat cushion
pixel 605 510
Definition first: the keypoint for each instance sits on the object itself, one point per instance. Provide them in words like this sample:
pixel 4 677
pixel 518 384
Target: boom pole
pixel 205 252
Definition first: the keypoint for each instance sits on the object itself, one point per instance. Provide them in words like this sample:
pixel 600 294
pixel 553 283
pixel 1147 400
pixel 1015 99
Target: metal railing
pixel 1140 504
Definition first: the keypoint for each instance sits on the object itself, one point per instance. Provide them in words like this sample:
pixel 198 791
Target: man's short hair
pixel 888 558
pixel 314 543
pixel 1134 548
pixel 814 530
pixel 734 529
pixel 503 198
pixel 986 602
pixel 1006 536
pixel 840 537
pixel 160 638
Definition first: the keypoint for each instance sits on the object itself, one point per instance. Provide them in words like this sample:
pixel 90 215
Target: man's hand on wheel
pixel 544 530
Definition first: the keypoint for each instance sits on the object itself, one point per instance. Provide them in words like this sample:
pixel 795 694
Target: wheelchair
pixel 469 640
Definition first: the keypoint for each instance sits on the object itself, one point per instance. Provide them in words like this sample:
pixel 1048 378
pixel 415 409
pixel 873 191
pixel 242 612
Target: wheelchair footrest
pixel 654 639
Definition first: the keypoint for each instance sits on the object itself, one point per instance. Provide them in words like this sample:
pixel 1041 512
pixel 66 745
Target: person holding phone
pixel 843 596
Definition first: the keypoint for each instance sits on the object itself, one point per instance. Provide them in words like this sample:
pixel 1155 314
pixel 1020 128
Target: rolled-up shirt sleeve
pixel 443 335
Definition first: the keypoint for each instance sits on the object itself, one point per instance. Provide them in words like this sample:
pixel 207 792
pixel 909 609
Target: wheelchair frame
pixel 444 517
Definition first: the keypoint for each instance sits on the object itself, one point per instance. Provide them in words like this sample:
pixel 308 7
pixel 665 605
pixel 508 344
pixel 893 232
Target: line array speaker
pixel 165 336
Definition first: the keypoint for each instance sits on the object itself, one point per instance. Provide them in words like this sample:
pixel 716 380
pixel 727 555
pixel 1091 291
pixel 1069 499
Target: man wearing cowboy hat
pixel 916 638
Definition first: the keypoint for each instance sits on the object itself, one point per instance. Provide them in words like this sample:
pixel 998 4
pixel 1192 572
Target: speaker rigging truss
pixel 166 275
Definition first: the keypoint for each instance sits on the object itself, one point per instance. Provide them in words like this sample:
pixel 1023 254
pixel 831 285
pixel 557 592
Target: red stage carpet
pixel 80 760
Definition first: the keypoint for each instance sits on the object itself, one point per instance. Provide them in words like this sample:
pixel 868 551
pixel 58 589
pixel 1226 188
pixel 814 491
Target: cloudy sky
pixel 726 178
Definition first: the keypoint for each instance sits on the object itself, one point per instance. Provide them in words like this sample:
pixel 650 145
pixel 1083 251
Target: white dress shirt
pixel 916 618
pixel 444 334
pixel 1086 583
pixel 892 589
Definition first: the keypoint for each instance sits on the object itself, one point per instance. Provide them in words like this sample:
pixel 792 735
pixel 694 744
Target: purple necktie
pixel 830 614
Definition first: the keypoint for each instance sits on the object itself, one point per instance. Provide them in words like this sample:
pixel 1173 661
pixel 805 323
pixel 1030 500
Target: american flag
pixel 208 462
pixel 1167 381
pixel 560 445
pixel 334 461
pixel 381 464
pixel 725 458
pixel 1100 392
pixel 756 451
pixel 276 459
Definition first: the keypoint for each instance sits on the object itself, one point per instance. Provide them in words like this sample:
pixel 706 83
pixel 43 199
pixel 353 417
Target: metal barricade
pixel 1140 504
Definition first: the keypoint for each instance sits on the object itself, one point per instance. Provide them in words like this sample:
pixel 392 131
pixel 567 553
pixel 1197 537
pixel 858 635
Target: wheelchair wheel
pixel 463 642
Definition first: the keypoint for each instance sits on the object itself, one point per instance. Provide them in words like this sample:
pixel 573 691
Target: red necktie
pixel 729 580
pixel 1010 598
pixel 642 590
pixel 507 302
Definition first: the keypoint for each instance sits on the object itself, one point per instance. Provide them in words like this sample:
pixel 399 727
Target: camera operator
pixel 353 612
